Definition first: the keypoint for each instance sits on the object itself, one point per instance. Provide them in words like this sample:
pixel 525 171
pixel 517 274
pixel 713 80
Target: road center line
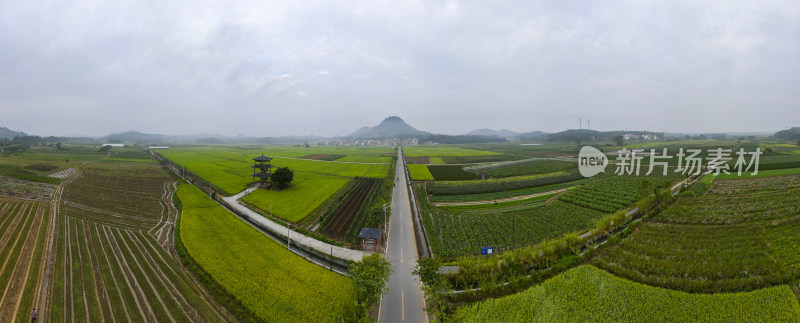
pixel 403 304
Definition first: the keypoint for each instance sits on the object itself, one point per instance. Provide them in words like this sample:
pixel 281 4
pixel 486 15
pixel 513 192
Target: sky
pixel 327 68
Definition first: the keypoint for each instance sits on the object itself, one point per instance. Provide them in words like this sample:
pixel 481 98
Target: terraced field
pixel 114 259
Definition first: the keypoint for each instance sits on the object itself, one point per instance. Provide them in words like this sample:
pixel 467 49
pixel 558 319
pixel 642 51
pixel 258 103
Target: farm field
pixel 502 227
pixel 113 250
pixel 734 241
pixel 505 194
pixel 439 151
pixel 761 174
pixel 276 284
pixel 419 172
pixel 315 181
pixel 450 173
pixel 229 168
pixel 307 193
pixel 520 168
pixel 497 185
pixel 589 294
pixel 23 227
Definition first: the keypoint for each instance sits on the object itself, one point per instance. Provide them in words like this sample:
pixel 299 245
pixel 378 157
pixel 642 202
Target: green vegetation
pixel 770 184
pixel 112 250
pixel 315 181
pixel 504 194
pixel 370 277
pixel 436 161
pixel 488 208
pixel 282 177
pixel 307 193
pixel 228 168
pixel 23 226
pixel 449 173
pixel 441 150
pixel 452 235
pixel 419 173
pixel 277 285
pixel 588 294
pixel 497 185
pixel 761 173
pixel 716 242
pixel 609 193
pixel 530 167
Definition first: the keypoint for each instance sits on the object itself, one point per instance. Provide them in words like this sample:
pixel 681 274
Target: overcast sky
pixel 329 67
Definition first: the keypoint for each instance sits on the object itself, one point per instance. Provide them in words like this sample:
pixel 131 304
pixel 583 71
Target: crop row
pixel 519 205
pixel 721 258
pixel 715 209
pixel 450 173
pixel 607 194
pixel 531 168
pixel 588 294
pixel 777 183
pixel 498 185
pixel 23 228
pixel 452 235
pixel 505 194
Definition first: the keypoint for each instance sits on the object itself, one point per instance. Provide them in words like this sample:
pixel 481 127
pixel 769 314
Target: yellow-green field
pixel 276 284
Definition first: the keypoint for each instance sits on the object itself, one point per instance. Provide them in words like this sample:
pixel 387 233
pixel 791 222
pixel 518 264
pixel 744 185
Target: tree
pixel 282 177
pixel 436 288
pixel 370 276
pixel 620 140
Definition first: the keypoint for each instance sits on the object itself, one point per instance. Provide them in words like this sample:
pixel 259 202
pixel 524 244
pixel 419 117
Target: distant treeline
pixel 462 139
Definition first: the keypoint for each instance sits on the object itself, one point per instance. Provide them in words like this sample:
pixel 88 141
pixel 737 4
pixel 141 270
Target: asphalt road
pixel 403 302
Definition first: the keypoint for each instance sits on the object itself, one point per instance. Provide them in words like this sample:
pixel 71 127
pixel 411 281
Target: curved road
pixel 403 302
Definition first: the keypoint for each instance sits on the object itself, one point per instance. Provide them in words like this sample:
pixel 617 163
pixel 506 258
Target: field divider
pixel 507 199
pixel 296 238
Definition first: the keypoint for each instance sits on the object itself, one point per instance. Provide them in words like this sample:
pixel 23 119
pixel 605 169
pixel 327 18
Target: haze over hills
pixel 502 133
pixel 390 127
pixel 395 127
pixel 9 134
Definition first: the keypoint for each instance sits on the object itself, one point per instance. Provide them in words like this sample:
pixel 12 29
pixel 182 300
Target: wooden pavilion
pixel 262 169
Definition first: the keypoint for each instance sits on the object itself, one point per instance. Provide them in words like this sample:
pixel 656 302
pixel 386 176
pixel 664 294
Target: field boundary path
pixel 505 199
pixel 282 231
pixel 43 303
pixel 403 302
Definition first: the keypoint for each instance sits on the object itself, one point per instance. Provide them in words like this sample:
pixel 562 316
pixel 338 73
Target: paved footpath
pixel 403 302
pixel 281 230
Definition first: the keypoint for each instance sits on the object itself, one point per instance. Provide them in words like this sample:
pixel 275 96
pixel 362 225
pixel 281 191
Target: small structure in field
pixel 114 145
pixel 370 235
pixel 262 169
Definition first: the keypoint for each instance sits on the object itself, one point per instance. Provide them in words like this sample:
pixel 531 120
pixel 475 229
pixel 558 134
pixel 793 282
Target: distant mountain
pixel 388 128
pixel 503 133
pixel 533 135
pixel 10 134
pixel 791 133
pixel 135 136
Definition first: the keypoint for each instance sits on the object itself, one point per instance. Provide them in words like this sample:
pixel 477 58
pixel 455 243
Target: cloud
pixel 445 66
